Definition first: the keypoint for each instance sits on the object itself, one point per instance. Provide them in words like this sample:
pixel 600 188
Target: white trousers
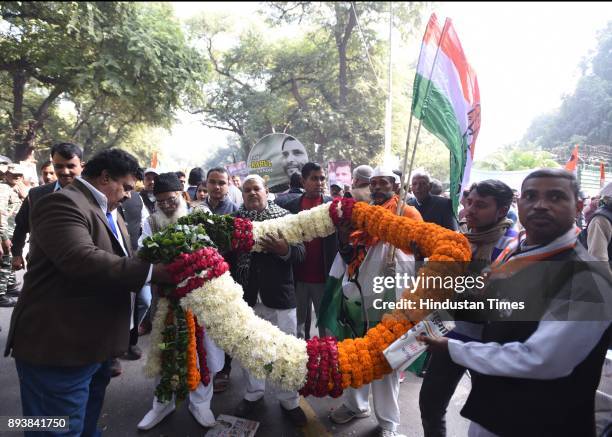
pixel 385 394
pixel 475 430
pixel 286 321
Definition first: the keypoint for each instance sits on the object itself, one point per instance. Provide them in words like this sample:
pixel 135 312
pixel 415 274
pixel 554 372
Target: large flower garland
pixel 322 366
pixel 261 347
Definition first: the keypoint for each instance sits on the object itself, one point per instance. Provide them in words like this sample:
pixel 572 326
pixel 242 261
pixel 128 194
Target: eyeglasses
pixel 168 202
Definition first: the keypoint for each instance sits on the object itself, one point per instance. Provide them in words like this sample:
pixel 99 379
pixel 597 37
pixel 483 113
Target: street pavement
pixel 130 395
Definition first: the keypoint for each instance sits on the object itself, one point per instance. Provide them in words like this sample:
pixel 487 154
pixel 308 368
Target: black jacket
pixel 22 219
pixel 147 203
pixel 284 198
pixel 271 277
pixel 131 211
pixel 330 243
pixel 438 210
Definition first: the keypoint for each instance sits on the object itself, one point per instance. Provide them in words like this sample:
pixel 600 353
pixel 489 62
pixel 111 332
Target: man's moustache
pixel 540 217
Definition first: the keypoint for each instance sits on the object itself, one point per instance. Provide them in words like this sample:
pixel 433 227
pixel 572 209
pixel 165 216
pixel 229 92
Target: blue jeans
pixel 77 392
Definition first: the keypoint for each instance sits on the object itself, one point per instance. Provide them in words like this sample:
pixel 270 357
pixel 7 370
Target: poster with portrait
pixel 237 172
pixel 276 157
pixel 340 173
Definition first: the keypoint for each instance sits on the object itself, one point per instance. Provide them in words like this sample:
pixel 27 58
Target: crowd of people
pixel 86 298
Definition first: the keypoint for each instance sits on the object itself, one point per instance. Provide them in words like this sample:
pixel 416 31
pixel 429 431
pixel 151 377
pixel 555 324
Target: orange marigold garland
pixel 193 374
pixel 447 251
pixel 361 360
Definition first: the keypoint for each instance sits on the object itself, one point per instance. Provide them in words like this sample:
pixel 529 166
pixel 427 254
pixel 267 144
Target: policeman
pixel 12 193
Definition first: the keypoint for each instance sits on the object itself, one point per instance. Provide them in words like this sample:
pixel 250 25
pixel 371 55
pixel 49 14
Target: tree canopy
pixel 585 116
pixel 318 86
pixel 515 157
pixel 91 72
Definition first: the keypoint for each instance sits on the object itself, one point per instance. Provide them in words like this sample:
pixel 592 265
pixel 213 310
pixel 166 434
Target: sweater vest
pixel 529 407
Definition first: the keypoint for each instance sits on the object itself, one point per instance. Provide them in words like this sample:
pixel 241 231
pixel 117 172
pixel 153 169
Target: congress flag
pixel 447 99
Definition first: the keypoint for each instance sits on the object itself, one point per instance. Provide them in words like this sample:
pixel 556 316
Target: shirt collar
pixel 221 202
pixel 57 186
pixel 98 195
pixel 424 200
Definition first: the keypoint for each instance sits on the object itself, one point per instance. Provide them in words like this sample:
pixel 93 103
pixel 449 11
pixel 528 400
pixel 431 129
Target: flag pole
pixel 401 202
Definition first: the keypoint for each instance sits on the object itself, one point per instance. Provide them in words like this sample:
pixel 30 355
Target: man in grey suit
pixel 73 314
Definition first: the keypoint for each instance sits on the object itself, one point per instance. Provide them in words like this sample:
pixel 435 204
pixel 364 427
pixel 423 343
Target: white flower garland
pixel 262 348
pixel 297 228
pixel 153 366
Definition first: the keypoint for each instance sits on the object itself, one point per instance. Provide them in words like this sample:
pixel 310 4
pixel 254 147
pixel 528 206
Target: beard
pixel 361 194
pixel 165 220
pixel 381 197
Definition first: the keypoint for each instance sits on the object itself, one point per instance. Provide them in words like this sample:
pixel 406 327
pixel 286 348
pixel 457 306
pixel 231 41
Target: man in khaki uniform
pixel 12 193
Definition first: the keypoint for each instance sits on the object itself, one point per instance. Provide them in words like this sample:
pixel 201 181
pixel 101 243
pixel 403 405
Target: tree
pixel 514 157
pixel 587 112
pixel 318 86
pixel 122 66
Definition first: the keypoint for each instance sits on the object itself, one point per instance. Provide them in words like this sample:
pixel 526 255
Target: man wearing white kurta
pixel 170 207
pixel 381 260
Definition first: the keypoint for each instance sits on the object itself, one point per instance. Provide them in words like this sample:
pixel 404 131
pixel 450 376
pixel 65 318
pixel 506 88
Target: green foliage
pixel 586 113
pixel 173 381
pixel 218 227
pixel 517 158
pixel 222 156
pixel 318 86
pixel 166 245
pixel 121 66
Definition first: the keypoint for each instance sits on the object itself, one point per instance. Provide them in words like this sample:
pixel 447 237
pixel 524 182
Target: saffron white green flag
pixel 447 100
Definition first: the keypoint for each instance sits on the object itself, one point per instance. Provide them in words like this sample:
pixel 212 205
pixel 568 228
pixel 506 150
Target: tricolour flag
pixel 447 99
pixel 572 163
pixel 602 175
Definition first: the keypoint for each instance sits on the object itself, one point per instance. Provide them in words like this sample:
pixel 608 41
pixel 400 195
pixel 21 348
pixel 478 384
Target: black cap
pixel 167 182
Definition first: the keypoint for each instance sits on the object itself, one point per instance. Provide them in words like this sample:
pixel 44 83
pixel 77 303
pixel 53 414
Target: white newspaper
pixel 233 426
pixel 405 350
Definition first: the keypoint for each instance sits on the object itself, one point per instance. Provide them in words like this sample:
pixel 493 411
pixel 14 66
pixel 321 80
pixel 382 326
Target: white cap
pixel 606 191
pixel 151 170
pixel 385 172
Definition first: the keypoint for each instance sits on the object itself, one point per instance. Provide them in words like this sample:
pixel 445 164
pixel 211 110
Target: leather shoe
pixel 203 415
pixel 156 415
pixel 7 301
pixel 115 368
pixel 296 415
pixel 245 407
pixel 133 353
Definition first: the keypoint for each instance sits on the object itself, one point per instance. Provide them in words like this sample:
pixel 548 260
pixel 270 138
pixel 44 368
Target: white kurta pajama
pixel 385 391
pixel 215 356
